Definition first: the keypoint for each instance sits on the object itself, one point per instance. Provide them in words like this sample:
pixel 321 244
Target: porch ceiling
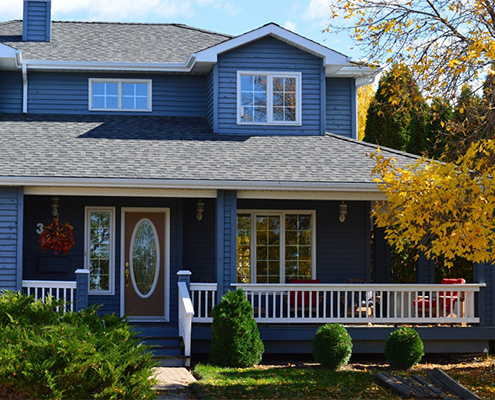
pixel 148 151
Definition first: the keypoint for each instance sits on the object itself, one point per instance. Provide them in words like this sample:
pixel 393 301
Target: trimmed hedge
pixel 332 346
pixel 235 336
pixel 47 354
pixel 404 348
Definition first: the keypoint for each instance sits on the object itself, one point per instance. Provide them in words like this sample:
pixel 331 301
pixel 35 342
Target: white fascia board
pixel 353 71
pixel 186 184
pixel 110 66
pixel 329 56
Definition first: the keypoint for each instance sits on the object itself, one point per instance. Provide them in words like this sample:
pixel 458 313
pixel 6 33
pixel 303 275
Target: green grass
pixel 310 381
pixel 285 382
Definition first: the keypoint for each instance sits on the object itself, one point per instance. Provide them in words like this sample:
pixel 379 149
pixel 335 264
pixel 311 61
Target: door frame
pixel 165 255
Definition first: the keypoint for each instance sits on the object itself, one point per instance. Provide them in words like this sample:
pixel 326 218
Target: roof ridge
pixel 373 146
pixel 179 25
pixel 10 22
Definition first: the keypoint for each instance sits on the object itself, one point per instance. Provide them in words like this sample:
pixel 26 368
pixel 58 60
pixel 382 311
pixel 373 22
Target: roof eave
pixel 189 184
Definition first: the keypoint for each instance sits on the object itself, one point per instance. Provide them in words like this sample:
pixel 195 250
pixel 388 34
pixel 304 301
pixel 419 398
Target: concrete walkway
pixel 173 383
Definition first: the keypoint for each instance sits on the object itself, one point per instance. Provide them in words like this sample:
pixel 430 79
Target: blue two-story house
pixel 150 168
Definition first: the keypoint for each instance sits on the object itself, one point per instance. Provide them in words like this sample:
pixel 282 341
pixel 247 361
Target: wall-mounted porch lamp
pixel 55 205
pixel 342 211
pixel 200 208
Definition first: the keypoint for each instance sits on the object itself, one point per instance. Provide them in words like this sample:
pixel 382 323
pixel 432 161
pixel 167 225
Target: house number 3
pixel 39 228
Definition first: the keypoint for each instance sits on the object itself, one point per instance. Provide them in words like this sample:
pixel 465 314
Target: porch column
pixel 11 233
pixel 425 270
pixel 82 287
pixel 226 232
pixel 485 273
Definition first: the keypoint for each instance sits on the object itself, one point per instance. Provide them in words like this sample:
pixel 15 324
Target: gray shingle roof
pixel 112 42
pixel 174 148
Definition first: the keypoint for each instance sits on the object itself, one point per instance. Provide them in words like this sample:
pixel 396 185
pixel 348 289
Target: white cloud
pixel 291 26
pixel 317 10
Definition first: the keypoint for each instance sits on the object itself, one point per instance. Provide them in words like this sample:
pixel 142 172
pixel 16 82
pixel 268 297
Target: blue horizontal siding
pixel 10 92
pixel 269 54
pixel 68 93
pixel 339 106
pixel 9 233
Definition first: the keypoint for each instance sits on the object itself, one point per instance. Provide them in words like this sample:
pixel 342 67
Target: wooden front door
pixel 145 259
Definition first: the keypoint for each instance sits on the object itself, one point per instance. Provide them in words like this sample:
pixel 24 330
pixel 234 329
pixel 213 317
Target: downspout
pixel 24 89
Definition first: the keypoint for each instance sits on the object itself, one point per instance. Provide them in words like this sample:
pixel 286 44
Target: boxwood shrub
pixel 235 338
pixel 332 346
pixel 47 354
pixel 404 348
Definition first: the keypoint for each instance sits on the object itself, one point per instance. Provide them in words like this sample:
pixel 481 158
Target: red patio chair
pixel 448 300
pixel 297 297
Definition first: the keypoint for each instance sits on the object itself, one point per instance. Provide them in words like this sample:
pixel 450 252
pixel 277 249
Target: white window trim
pixel 111 268
pixel 120 82
pixel 282 213
pixel 269 100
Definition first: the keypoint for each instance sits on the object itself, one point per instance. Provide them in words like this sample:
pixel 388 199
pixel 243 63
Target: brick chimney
pixel 37 21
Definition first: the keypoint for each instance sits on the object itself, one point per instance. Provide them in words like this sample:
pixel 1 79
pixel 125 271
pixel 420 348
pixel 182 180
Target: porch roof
pixel 165 149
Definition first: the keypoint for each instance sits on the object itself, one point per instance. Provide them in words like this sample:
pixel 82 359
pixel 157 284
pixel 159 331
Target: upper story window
pixel 268 98
pixel 119 95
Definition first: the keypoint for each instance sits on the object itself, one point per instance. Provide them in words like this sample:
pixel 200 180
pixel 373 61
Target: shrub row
pixel 47 354
pixel 236 340
pixel 332 347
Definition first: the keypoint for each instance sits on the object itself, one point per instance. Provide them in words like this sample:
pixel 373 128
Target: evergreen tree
pixel 390 113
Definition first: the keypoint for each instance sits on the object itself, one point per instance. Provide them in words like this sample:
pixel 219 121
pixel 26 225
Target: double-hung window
pixel 275 246
pixel 100 249
pixel 120 95
pixel 271 98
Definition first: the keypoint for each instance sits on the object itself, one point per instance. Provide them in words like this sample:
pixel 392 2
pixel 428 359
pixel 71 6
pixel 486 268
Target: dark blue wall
pixel 340 107
pixel 67 93
pixel 199 240
pixel 342 248
pixel 11 200
pixel 37 209
pixel 10 92
pixel 269 54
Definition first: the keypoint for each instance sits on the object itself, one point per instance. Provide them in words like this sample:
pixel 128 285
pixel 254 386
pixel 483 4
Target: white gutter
pixel 187 184
pixel 112 66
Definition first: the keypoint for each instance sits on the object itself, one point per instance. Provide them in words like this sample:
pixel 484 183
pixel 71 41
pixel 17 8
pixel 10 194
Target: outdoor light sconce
pixel 342 211
pixel 55 205
pixel 200 208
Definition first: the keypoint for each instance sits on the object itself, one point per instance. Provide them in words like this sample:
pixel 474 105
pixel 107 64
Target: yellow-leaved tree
pixel 365 95
pixel 445 210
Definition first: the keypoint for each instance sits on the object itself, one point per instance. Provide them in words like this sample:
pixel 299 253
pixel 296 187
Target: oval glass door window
pixel 144 257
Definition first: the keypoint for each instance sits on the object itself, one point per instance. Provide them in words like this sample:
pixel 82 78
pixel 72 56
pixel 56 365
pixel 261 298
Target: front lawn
pixel 310 381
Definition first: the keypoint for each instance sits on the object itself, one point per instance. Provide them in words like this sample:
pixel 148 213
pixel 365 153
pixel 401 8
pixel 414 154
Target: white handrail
pixel 186 312
pixel 362 303
pixel 57 289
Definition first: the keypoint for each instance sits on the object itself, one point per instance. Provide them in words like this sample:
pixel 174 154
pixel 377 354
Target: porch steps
pixel 164 342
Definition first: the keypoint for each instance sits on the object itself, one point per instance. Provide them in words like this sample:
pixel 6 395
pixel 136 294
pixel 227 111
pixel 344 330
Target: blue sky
pixel 306 17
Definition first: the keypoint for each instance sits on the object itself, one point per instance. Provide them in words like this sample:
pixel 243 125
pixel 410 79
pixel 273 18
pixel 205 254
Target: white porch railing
pixel 203 299
pixel 186 312
pixel 362 303
pixel 56 289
